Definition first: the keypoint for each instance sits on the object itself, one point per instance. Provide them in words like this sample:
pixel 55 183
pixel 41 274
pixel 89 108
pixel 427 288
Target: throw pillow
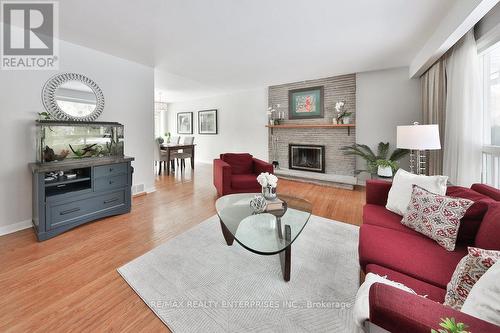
pixel 401 189
pixel 361 309
pixel 468 271
pixel 483 301
pixel 436 216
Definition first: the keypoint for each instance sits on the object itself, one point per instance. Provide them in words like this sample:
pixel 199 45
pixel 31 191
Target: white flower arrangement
pixel 339 106
pixel 266 179
pixel 272 109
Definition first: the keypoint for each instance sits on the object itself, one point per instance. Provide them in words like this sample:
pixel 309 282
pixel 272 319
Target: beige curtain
pixel 433 85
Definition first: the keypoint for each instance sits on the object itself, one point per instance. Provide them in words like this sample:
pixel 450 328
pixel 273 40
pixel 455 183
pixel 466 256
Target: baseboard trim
pixel 9 229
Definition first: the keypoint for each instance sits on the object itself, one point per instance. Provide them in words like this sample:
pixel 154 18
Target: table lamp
pixel 418 138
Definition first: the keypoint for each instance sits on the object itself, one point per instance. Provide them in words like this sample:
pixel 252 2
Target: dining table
pixel 168 148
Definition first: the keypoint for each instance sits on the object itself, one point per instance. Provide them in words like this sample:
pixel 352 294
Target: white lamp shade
pixel 418 137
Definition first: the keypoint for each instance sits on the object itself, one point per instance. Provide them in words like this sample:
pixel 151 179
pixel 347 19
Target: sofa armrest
pixel 487 190
pixel 399 311
pixel 260 166
pixel 377 191
pixel 222 176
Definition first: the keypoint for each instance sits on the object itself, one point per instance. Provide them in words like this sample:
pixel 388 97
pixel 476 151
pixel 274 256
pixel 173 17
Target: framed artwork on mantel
pixel 185 123
pixel 207 122
pixel 305 103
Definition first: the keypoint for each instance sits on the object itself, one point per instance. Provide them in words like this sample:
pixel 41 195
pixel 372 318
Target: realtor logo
pixel 29 35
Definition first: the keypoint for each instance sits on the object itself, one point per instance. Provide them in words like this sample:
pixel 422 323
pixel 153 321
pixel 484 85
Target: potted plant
pixel 377 163
pixel 342 116
pixel 449 325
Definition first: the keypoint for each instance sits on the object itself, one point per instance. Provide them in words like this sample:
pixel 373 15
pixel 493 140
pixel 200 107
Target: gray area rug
pixel 196 283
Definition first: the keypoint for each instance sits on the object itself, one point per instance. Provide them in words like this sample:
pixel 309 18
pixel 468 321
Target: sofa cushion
pixel 248 181
pixel 488 236
pixel 240 163
pixel 380 216
pixel 481 201
pixel 436 216
pixel 414 255
pixel 421 288
pixel 402 188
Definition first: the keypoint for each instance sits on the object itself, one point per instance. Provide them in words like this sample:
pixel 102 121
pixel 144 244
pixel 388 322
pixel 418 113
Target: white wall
pixel 128 89
pixel 241 117
pixel 384 100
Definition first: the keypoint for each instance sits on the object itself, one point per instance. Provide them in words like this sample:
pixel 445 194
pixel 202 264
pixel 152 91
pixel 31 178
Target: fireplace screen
pixel 306 157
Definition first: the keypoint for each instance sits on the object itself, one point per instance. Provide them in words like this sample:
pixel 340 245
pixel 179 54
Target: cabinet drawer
pixel 67 213
pixel 110 183
pixel 110 170
pixel 58 215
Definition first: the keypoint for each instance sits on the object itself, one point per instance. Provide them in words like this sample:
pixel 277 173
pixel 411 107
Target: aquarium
pixel 70 140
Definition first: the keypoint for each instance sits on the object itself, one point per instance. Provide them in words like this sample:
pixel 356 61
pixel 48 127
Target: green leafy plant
pixel 449 325
pixel 373 161
pixel 44 115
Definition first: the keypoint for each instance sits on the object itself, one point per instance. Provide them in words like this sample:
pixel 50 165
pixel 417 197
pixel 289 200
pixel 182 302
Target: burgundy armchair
pixel 237 173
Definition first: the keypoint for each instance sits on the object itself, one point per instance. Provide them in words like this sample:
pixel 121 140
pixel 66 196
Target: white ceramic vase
pixel 384 171
pixel 269 192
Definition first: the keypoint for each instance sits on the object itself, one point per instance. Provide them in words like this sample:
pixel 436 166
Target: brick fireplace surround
pixel 339 169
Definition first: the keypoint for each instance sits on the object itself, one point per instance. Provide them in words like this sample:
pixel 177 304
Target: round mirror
pixel 73 96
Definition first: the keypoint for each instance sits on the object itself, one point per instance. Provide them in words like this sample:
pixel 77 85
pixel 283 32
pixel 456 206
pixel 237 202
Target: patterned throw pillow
pixel 436 216
pixel 468 271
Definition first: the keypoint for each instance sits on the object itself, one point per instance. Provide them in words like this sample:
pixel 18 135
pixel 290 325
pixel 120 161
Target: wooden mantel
pixel 348 126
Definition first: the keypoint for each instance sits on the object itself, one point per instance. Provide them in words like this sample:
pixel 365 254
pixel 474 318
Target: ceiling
pixel 206 47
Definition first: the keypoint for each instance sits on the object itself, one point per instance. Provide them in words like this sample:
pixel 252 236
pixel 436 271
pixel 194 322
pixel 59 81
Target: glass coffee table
pixel 266 233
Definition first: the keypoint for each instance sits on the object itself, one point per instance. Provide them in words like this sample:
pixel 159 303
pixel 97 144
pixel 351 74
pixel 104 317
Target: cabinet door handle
pixel 110 201
pixel 69 211
pixel 62 185
pixel 110 169
pixel 111 182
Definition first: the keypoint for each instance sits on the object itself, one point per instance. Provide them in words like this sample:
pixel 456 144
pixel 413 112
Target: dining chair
pixel 160 156
pixel 174 140
pixel 186 152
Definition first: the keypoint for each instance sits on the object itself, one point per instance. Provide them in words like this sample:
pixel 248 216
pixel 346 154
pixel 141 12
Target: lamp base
pixel 418 162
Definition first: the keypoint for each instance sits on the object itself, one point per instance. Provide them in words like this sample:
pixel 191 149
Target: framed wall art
pixel 305 103
pixel 185 123
pixel 207 122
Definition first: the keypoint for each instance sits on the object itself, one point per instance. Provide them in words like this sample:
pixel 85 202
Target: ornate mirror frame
pixel 49 96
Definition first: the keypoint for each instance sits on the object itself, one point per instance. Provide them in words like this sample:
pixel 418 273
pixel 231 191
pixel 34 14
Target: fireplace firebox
pixel 306 157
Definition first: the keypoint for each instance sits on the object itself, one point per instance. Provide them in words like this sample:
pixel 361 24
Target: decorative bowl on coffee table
pixel 266 233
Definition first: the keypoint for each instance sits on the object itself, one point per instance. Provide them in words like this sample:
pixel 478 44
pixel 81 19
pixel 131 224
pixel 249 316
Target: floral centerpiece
pixel 269 182
pixel 342 115
pixel 275 116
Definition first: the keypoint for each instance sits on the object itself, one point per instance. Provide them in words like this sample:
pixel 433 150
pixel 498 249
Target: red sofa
pixel 237 173
pixel 388 248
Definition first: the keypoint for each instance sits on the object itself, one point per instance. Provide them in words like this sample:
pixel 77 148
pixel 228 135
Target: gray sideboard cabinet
pixel 101 188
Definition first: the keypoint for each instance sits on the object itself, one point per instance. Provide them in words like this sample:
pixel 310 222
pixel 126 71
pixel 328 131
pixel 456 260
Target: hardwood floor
pixel 70 283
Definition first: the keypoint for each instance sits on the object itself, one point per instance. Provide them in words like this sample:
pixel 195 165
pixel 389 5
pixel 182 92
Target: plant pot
pixel 384 171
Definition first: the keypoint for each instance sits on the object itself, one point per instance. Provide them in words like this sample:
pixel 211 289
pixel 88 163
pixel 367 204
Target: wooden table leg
pixel 286 255
pixel 167 162
pixel 192 159
pixel 226 233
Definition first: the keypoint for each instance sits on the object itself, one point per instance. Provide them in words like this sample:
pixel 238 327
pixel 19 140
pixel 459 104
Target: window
pixel 491 70
pixel 491 115
pixel 160 126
